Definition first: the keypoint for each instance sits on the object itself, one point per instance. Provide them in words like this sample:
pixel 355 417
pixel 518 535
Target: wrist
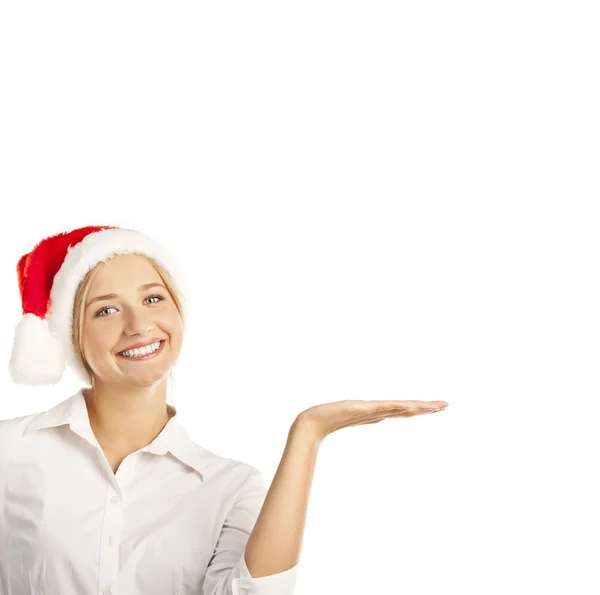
pixel 304 428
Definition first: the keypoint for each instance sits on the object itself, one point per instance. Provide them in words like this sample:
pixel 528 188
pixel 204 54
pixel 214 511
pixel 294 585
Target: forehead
pixel 123 269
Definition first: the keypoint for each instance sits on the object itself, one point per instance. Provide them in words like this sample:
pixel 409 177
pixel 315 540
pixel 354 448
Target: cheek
pixel 176 328
pixel 173 323
pixel 97 342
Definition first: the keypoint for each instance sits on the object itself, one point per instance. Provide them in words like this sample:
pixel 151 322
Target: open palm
pixel 330 417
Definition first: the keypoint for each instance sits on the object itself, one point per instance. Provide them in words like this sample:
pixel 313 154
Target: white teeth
pixel 141 351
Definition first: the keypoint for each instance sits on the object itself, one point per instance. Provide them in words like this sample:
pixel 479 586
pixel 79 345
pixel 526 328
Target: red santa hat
pixel 48 279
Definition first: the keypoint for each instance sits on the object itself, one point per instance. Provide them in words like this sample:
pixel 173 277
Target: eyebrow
pixel 110 296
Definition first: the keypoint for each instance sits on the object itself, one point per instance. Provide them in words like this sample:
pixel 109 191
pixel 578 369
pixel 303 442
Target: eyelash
pixel 161 298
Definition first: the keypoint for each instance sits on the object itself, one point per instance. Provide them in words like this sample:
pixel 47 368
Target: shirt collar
pixel 173 437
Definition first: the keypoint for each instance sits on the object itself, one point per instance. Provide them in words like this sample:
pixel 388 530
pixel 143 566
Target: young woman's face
pixel 134 315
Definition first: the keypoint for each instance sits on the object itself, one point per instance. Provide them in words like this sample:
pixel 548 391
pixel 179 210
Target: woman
pixel 105 493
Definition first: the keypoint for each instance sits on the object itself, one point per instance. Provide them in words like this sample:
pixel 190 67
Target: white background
pixel 372 200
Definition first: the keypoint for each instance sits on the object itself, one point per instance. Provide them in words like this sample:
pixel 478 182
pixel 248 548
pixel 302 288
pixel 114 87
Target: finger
pixel 372 411
pixel 417 403
pixel 416 411
pixel 402 406
pixel 375 418
pixel 374 406
pixel 366 411
pixel 381 415
pixel 423 404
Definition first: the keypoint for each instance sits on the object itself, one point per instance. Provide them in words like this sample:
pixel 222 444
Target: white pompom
pixel 37 356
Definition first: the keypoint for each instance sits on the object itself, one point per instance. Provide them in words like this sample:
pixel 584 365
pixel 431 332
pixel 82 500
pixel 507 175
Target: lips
pixel 138 345
pixel 144 357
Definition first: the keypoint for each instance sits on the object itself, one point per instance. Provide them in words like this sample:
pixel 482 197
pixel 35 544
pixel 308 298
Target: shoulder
pixel 11 434
pixel 236 473
pixel 15 426
pixel 231 466
pixel 241 475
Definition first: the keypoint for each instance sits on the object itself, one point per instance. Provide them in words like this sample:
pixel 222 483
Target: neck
pixel 127 418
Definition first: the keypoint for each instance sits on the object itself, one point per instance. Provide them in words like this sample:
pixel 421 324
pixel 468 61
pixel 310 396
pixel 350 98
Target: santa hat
pixel 48 279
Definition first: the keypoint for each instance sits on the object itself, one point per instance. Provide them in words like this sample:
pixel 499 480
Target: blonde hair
pixel 80 299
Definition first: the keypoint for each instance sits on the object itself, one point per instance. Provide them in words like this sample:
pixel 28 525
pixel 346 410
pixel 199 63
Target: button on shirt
pixel 173 520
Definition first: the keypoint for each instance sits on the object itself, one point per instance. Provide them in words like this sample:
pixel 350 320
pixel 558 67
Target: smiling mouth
pixel 138 358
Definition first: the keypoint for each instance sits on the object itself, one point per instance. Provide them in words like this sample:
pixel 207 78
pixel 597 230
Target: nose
pixel 137 323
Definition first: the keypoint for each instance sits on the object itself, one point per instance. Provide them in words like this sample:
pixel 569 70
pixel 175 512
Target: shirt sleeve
pixel 227 573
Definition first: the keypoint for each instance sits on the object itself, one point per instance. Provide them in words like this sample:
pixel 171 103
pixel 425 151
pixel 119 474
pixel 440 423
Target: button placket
pixel 111 529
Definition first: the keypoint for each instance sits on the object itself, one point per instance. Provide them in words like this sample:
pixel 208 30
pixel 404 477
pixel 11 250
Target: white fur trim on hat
pixel 37 355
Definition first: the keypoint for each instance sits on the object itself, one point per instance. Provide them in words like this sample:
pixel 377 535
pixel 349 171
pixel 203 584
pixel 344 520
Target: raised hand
pixel 330 417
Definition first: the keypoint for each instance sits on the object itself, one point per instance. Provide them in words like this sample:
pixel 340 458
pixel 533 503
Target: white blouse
pixel 173 520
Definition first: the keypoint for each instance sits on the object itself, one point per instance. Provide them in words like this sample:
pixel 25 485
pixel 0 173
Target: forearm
pixel 276 540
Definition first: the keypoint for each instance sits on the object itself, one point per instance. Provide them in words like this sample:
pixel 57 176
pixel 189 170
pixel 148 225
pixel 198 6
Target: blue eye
pixel 160 299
